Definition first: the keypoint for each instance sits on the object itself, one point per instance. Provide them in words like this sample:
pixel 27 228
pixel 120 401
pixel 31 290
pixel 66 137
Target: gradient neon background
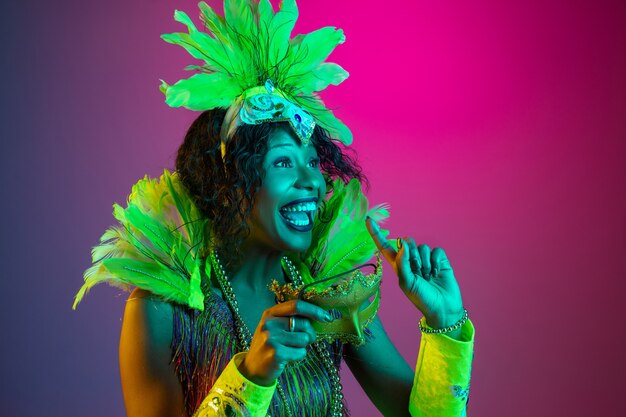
pixel 495 130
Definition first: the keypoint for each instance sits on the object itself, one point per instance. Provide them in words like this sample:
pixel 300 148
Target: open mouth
pixel 299 214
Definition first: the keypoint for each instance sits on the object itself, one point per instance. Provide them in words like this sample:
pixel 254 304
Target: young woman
pixel 255 182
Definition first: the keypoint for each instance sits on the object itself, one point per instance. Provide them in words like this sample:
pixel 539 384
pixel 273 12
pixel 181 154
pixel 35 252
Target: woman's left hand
pixel 425 276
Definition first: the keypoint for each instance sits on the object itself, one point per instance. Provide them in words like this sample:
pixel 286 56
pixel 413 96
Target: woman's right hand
pixel 273 345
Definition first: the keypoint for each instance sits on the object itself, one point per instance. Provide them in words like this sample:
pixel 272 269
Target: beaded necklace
pixel 245 337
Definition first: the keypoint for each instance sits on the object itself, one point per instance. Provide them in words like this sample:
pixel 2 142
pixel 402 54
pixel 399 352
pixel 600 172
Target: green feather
pixel 196 298
pixel 325 117
pixel 280 27
pixel 215 23
pixel 193 223
pixel 265 13
pixel 157 245
pixel 313 48
pixel 159 279
pixel 111 245
pixel 156 235
pixel 321 77
pixel 238 14
pixel 218 54
pixel 195 42
pixel 340 240
pixel 203 91
pixel 202 46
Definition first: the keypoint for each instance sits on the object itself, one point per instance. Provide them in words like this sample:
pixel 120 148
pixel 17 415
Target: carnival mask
pixel 344 299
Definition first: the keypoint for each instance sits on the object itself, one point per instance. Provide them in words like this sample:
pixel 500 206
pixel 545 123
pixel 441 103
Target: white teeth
pixel 300 214
pixel 298 222
pixel 310 206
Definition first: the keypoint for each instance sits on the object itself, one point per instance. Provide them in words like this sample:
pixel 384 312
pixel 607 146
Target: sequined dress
pixel 203 342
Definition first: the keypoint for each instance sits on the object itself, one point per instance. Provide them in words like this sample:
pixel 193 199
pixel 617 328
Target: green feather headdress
pixel 243 50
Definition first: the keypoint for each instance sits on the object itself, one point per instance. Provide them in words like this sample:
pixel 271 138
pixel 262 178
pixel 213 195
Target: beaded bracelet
pixel 448 329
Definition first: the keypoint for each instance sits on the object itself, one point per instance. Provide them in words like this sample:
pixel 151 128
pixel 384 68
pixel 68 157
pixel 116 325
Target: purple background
pixel 495 130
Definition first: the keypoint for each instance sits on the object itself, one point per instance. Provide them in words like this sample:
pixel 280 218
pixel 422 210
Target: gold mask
pixel 344 300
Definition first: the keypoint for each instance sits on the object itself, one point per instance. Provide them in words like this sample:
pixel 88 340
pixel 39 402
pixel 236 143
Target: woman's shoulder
pixel 149 319
pixel 159 312
pixel 145 357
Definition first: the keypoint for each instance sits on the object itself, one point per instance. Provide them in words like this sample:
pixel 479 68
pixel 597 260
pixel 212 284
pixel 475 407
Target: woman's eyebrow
pixel 282 145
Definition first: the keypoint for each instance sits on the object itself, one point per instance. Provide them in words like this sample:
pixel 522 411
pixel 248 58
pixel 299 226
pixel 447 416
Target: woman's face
pixel 291 191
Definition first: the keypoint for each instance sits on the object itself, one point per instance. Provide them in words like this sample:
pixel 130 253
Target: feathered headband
pixel 256 70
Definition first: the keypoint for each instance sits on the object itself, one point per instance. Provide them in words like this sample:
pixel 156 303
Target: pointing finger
pixel 403 264
pixel 299 308
pixel 381 242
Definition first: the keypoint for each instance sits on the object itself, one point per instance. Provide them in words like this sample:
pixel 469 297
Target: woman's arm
pixel 149 382
pixel 426 278
pixel 440 385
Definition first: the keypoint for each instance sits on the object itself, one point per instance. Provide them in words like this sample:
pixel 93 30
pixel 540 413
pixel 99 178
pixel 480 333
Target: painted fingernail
pixel 399 243
pixel 328 318
pixel 333 314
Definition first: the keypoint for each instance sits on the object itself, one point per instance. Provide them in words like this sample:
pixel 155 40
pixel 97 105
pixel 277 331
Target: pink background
pixel 495 130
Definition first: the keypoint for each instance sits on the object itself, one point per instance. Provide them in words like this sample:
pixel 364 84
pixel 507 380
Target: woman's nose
pixel 308 178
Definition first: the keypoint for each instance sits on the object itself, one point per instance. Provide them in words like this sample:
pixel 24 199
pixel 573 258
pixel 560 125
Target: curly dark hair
pixel 224 189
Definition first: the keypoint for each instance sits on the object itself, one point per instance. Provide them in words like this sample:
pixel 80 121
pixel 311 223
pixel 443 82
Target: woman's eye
pixel 283 163
pixel 314 163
